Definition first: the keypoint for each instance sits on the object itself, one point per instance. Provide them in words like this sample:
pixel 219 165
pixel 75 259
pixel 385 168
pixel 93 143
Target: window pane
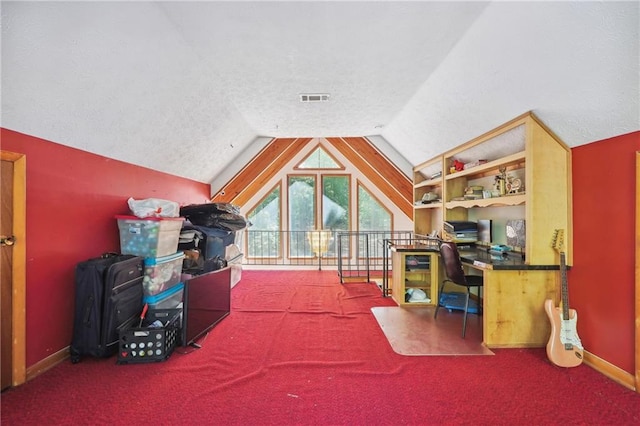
pixel 335 203
pixel 302 206
pixel 372 216
pixel 335 208
pixel 319 159
pixel 264 234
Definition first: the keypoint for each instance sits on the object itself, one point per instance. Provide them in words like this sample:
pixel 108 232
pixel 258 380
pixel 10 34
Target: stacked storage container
pixel 155 239
pixel 162 286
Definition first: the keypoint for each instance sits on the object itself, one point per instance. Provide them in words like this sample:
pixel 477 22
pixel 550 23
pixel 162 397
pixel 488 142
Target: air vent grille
pixel 314 97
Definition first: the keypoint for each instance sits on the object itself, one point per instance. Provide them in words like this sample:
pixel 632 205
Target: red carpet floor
pixel 299 348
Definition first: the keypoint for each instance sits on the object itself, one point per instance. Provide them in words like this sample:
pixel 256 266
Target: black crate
pixel 151 344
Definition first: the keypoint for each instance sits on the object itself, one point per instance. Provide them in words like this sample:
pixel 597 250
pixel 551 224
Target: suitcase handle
pixel 87 312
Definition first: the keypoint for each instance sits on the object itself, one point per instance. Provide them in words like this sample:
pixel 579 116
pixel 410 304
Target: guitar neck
pixel 565 287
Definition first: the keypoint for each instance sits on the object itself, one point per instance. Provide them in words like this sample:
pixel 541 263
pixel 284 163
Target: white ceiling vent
pixel 314 97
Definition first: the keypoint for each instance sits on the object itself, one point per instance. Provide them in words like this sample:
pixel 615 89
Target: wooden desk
pixel 512 298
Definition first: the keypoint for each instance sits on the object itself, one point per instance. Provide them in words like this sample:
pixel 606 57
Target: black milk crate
pixel 151 344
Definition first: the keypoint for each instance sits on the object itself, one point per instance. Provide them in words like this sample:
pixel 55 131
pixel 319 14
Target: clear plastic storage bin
pixel 149 237
pixel 162 273
pixel 168 299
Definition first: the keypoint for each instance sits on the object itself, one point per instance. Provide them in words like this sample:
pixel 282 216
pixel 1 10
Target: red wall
pixel 72 197
pixel 602 279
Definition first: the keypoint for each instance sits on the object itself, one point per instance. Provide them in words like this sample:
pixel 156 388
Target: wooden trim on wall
pixel 260 170
pixel 616 374
pixel 48 363
pixel 358 150
pixel 367 151
pixel 18 270
pixel 637 322
pixel 380 177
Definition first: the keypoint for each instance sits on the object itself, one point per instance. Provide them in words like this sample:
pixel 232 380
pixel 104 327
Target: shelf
pixel 423 303
pixel 428 206
pixel 491 166
pixel 423 276
pixel 430 182
pixel 507 200
pixel 416 284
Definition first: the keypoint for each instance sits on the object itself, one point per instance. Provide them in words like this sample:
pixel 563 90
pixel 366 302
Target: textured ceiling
pixel 187 87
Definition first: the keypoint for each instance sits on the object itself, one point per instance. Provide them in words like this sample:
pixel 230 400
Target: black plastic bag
pixel 215 215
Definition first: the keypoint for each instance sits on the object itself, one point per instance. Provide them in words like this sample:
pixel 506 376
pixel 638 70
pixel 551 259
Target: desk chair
pixel 455 274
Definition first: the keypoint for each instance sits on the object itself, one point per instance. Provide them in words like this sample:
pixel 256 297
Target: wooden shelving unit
pixel 423 276
pixel 524 149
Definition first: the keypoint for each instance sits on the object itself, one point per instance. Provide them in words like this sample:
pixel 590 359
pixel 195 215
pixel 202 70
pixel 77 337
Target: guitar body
pixel 564 348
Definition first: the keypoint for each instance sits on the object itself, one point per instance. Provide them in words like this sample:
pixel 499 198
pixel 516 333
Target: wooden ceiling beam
pixel 384 175
pixel 260 170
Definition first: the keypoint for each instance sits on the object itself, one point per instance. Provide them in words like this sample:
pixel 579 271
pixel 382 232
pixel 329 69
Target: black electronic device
pixel 207 301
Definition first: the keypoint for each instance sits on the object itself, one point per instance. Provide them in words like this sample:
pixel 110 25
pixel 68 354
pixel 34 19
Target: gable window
pixel 317 207
pixel 264 238
pixel 301 212
pixel 336 210
pixel 372 216
pixel 319 159
pixel 335 202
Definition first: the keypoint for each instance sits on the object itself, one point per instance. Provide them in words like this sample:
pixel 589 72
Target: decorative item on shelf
pixel 501 181
pixel 436 175
pixel 473 164
pixel 456 166
pixel 516 233
pixel 514 185
pixel 430 197
pixel 473 192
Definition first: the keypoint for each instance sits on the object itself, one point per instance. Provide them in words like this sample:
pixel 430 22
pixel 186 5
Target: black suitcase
pixel 108 297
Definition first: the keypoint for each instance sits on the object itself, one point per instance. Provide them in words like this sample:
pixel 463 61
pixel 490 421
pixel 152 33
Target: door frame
pixel 19 255
pixel 637 301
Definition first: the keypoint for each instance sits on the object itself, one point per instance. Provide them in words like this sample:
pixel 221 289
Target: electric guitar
pixel 564 348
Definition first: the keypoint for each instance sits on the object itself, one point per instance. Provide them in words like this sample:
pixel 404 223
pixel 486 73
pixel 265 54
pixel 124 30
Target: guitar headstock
pixel 557 241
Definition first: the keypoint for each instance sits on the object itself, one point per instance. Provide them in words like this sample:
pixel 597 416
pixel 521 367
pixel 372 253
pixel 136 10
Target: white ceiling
pixel 187 87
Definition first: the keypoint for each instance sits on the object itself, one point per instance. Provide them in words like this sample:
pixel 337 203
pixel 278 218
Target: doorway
pixel 637 319
pixel 13 276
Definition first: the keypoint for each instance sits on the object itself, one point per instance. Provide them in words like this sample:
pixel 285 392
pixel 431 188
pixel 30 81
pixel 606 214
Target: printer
pixel 461 231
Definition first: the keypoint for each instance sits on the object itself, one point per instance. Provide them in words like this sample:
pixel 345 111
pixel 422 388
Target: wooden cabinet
pixel 513 307
pixel 414 270
pixel 524 151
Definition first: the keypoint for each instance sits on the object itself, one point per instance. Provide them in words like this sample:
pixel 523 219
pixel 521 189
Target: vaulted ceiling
pixel 189 88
